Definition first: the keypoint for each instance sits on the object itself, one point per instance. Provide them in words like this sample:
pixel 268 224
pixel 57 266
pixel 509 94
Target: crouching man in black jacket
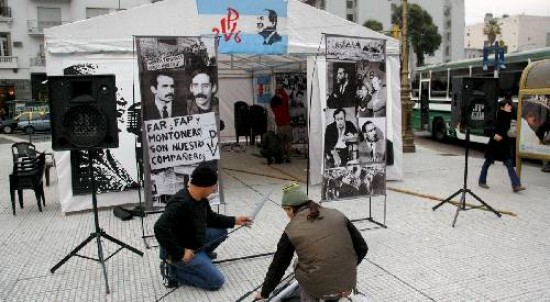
pixel 327 244
pixel 187 224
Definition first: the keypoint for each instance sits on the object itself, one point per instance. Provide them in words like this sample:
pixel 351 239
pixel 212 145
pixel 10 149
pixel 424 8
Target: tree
pixel 374 25
pixel 423 34
pixel 492 30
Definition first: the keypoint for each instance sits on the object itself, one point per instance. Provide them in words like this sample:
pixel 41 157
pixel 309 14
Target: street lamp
pixel 406 103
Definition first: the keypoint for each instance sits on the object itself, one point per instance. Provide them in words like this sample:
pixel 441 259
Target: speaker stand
pixel 464 190
pixel 98 234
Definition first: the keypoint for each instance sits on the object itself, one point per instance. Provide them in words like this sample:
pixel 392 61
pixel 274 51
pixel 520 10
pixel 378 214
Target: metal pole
pixel 406 103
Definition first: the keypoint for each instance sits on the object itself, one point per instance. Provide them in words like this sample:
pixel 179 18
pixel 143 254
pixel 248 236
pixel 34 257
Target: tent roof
pixel 113 33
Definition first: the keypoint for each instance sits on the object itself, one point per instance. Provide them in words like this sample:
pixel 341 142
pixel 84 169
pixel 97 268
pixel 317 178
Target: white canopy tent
pixel 105 45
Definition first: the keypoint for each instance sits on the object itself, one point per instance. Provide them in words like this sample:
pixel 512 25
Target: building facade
pixel 22 54
pixel 519 33
pixel 448 15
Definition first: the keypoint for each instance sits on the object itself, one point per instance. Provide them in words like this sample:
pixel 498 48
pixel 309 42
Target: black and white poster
pixel 296 90
pixel 180 111
pixel 356 148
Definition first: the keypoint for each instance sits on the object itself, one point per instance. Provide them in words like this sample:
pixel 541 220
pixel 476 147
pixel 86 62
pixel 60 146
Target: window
pixel 547 39
pixel 48 17
pixel 350 17
pixel 94 12
pixel 448 36
pixel 447 51
pixel 467 34
pixel 5 50
pixel 349 4
pixel 322 4
pixel 439 84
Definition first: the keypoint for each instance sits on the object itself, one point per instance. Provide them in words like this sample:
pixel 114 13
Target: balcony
pixel 38 61
pixel 5 14
pixel 8 62
pixel 37 27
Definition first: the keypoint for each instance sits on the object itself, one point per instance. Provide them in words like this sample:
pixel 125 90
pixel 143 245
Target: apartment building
pixel 519 32
pixel 448 15
pixel 22 57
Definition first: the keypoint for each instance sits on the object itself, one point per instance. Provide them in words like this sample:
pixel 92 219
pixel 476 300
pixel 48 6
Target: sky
pixel 476 9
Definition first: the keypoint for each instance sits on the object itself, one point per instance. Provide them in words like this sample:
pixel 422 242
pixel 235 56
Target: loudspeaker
pixel 83 112
pixel 474 103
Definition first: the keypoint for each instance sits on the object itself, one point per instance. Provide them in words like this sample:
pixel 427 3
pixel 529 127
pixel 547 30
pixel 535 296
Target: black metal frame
pixel 97 234
pixel 461 206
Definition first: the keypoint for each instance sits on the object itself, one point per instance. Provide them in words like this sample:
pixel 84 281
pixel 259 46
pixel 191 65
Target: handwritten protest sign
pixel 182 140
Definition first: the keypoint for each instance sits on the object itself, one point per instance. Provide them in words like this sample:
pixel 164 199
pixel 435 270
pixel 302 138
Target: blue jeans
pixel 200 271
pixel 509 166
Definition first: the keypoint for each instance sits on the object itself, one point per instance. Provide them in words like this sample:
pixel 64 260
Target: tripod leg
pixel 484 203
pixel 446 200
pixel 114 240
pixel 461 206
pixel 102 261
pixel 73 252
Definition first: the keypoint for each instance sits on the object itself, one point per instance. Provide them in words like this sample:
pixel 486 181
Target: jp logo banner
pixel 246 26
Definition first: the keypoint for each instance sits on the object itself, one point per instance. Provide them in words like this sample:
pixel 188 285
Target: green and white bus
pixel 432 90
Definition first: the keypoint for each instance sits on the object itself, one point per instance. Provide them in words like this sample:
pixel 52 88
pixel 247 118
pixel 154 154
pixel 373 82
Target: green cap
pixel 293 195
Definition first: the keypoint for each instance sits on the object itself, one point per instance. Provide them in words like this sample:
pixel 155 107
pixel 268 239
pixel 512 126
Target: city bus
pixel 432 90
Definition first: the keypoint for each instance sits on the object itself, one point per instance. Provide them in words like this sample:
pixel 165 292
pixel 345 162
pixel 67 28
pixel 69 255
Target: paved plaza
pixel 418 257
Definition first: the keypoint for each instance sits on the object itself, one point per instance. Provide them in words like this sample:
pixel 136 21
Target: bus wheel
pixel 439 132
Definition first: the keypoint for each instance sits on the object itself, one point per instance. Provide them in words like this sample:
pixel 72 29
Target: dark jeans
pixel 200 271
pixel 509 163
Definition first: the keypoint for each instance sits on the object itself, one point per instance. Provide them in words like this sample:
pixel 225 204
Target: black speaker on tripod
pixel 83 117
pixel 474 107
pixel 83 112
pixel 474 103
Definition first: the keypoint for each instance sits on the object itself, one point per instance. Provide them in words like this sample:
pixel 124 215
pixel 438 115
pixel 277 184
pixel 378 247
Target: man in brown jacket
pixel 328 245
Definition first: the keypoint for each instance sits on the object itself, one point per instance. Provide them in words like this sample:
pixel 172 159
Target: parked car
pixel 7 126
pixel 32 121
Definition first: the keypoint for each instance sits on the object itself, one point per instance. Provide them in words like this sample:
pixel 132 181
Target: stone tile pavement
pixel 419 257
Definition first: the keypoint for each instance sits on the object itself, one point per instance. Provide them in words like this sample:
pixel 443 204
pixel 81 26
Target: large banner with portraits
pixel 294 85
pixel 180 111
pixel 534 136
pixel 356 147
pixel 246 26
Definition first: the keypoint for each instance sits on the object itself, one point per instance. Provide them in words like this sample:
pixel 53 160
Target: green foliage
pixel 423 35
pixel 374 25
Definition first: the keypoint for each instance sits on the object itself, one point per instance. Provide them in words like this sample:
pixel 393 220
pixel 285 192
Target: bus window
pixel 461 72
pixel 508 82
pixel 414 87
pixel 439 84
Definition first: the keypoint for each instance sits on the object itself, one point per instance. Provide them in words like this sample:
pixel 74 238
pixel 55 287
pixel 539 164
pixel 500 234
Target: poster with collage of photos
pixel 180 110
pixel 296 89
pixel 355 144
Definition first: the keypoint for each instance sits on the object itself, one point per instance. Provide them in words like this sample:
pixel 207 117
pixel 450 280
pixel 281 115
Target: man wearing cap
pixel 188 231
pixel 328 245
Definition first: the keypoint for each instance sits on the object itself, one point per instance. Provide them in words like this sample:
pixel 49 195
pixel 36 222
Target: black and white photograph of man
pixel 267 27
pixel 379 96
pixel 372 141
pixel 354 181
pixel 340 138
pixel 203 87
pixel 163 103
pixel 341 84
